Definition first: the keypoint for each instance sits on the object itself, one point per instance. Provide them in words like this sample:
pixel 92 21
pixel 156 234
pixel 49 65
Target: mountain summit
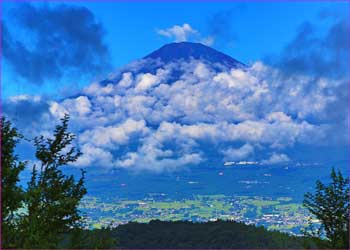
pixel 187 50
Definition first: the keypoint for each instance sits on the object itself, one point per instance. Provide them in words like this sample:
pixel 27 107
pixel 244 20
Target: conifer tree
pixel 52 198
pixel 11 193
pixel 330 205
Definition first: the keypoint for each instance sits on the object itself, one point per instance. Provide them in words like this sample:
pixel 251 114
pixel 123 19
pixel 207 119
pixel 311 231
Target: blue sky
pixel 258 28
pixel 255 31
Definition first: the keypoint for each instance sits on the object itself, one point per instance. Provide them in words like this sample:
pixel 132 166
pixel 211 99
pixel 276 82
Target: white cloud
pixel 57 110
pixel 201 71
pixel 94 156
pixel 146 81
pixel 79 106
pixel 276 159
pixel 111 136
pixel 19 98
pixel 238 153
pixel 82 105
pixel 96 89
pixel 151 162
pixel 278 117
pixel 126 81
pixel 179 33
pixel 185 33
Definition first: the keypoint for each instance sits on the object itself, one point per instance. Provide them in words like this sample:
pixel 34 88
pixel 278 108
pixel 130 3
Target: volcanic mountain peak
pixel 177 53
pixel 187 50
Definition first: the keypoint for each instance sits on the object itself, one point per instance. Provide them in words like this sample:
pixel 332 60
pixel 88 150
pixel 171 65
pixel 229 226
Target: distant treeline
pixel 184 234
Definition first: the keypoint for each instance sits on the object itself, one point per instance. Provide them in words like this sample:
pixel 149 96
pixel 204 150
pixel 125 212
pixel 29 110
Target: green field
pixel 276 214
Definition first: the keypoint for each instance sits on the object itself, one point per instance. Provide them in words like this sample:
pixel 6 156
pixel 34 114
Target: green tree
pixel 92 239
pixel 11 193
pixel 52 198
pixel 330 205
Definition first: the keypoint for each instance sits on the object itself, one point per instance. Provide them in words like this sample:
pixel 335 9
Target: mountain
pixel 187 50
pixel 178 58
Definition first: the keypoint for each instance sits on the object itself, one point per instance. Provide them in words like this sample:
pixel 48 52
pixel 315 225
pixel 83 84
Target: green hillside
pixel 184 234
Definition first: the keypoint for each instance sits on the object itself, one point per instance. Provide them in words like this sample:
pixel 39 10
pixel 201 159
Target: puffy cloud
pixel 126 80
pixel 94 156
pixel 201 71
pixel 113 135
pixel 185 33
pixel 96 89
pixel 179 33
pixel 276 159
pixel 238 153
pixel 152 162
pixel 278 117
pixel 81 105
pixel 146 81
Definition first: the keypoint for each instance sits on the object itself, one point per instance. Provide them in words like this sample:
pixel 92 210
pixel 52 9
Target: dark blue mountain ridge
pixel 187 50
pixel 175 52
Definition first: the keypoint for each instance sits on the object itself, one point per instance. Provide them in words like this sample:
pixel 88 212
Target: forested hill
pixel 218 234
pixel 185 235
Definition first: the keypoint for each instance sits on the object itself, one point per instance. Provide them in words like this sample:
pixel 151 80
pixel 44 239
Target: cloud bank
pixel 144 121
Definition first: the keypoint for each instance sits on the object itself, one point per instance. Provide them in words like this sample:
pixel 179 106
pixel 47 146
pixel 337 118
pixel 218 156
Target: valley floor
pixel 282 213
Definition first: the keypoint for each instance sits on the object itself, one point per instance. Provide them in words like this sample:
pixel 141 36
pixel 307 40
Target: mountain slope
pixel 178 58
pixel 187 50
